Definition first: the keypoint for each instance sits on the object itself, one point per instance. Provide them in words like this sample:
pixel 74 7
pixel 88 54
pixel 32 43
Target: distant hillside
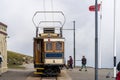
pixel 15 58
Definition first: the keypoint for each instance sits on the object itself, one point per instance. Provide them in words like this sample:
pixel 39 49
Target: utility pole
pixel 96 40
pixel 74 41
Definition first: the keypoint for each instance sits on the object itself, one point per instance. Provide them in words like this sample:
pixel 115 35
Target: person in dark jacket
pixel 118 74
pixel 84 61
pixel 1 64
pixel 70 62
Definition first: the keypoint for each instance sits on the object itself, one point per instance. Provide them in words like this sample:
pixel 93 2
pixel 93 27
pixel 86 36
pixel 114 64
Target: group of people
pixel 83 61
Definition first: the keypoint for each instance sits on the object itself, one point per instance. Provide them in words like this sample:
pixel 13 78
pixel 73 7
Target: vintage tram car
pixel 48 50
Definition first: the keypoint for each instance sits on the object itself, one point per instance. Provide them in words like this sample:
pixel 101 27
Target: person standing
pixel 84 61
pixel 70 62
pixel 0 64
pixel 118 74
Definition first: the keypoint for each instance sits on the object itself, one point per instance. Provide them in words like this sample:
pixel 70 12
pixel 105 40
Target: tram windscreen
pixel 49 46
pixel 58 45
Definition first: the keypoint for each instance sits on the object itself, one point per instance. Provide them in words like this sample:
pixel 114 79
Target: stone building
pixel 3 45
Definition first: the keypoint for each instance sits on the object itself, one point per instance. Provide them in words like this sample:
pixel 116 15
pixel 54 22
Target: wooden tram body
pixel 48 51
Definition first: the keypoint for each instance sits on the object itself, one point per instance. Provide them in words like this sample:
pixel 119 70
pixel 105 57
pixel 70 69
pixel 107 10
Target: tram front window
pixel 58 46
pixel 49 46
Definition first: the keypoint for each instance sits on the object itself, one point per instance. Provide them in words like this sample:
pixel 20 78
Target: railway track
pixel 42 78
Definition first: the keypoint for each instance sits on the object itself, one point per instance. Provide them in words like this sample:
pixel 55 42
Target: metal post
pixel 96 40
pixel 99 43
pixel 60 32
pixel 74 41
pixel 114 39
pixel 36 31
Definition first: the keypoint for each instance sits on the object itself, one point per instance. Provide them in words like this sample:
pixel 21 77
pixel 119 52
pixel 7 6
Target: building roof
pixel 3 24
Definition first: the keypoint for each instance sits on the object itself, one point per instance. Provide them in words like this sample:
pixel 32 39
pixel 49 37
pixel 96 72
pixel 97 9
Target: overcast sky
pixel 17 15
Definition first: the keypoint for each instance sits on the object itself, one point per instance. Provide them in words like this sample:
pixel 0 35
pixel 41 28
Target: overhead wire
pixel 52 10
pixel 44 9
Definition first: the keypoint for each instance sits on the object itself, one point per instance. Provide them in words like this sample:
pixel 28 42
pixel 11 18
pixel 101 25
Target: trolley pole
pixel 96 40
pixel 36 31
pixel 74 41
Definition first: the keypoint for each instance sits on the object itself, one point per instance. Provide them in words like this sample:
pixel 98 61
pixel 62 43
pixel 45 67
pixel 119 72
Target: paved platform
pixel 75 74
pixel 66 74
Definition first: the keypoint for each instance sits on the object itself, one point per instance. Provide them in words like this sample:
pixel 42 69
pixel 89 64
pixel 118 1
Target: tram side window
pixel 48 46
pixel 58 45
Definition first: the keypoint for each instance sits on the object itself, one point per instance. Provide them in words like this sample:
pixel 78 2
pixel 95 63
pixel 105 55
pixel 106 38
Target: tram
pixel 48 45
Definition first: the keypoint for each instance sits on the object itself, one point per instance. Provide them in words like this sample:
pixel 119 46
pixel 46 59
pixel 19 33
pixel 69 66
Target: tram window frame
pixel 59 50
pixel 46 45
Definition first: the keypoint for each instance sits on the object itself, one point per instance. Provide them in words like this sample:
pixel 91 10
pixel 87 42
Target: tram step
pixel 38 72
pixel 39 68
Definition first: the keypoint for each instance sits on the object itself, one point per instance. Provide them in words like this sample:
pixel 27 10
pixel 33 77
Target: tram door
pixel 38 50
